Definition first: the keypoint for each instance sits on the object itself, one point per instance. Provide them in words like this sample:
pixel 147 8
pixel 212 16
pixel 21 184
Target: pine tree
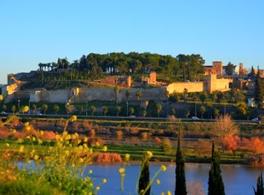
pixel 260 187
pixel 215 181
pixel 180 187
pixel 144 177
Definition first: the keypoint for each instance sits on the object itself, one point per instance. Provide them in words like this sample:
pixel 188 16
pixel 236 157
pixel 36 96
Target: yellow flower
pixel 149 154
pixel 85 139
pixel 81 160
pixel 33 139
pixel 104 181
pixel 97 188
pixel 41 133
pixel 73 118
pixel 21 149
pixel 127 157
pixel 26 124
pixel 40 141
pixel 68 137
pixel 122 171
pixel 7 145
pixel 28 128
pixel 65 133
pixel 158 182
pixel 163 168
pixel 169 193
pixel 105 148
pixel 1 98
pixel 14 131
pixel 36 157
pixel 25 109
pixel 57 137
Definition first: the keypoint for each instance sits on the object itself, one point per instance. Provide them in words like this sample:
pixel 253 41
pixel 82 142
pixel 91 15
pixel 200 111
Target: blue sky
pixel 34 31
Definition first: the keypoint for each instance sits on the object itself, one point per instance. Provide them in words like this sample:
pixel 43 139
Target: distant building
pixel 216 68
pixel 151 79
pixel 242 70
pixel 211 83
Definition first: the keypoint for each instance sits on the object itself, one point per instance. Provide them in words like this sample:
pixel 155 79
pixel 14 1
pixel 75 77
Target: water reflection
pixel 238 179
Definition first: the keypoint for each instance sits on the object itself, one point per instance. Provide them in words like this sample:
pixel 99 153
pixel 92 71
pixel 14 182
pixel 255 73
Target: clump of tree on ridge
pixel 182 67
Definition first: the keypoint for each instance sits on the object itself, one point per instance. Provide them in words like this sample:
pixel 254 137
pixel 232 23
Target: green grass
pixel 28 184
pixel 136 152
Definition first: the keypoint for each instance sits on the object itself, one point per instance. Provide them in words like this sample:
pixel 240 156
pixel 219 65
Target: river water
pixel 238 179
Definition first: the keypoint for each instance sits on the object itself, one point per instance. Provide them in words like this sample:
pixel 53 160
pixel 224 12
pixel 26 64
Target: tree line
pixel 179 68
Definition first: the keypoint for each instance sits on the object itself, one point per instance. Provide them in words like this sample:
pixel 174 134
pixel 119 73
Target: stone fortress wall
pixel 210 84
pixel 180 87
pixel 83 95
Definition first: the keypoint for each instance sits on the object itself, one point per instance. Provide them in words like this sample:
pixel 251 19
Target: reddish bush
pixel 230 142
pixel 91 133
pixel 254 144
pixel 107 158
pixel 133 131
pixel 157 140
pixel 145 136
pixel 4 132
pixel 119 134
pixel 48 135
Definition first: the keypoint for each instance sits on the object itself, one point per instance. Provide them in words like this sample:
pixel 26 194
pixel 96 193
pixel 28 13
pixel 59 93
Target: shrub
pixel 224 125
pixel 230 142
pixel 167 145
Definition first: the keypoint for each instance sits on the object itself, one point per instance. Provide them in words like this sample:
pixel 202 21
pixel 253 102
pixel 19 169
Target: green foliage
pixel 139 94
pixel 202 110
pixel 94 66
pixel 105 110
pixel 131 110
pixel 215 181
pixel 28 184
pixel 180 187
pixel 260 186
pixel 56 108
pixel 159 109
pixel 92 110
pixel 230 69
pixel 191 66
pixel 175 97
pixel 118 110
pixel 44 108
pixel 13 108
pixel 152 109
pixel 259 91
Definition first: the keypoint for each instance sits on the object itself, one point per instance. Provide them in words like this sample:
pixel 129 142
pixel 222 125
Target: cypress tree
pixel 180 187
pixel 259 90
pixel 260 187
pixel 215 181
pixel 144 177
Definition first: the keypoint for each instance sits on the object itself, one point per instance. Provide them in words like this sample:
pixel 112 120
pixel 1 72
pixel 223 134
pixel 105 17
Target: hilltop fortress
pixel 117 87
